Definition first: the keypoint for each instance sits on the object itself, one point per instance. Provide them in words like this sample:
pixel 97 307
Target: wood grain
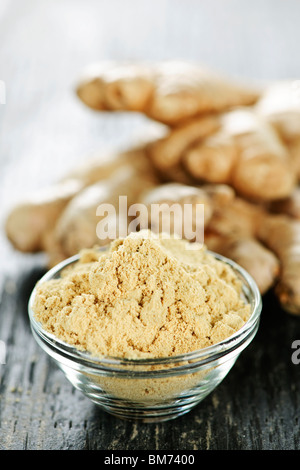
pixel 44 131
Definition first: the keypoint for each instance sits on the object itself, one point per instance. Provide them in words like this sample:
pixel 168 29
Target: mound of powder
pixel 145 296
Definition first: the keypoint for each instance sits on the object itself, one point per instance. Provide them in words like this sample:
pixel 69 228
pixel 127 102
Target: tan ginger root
pixel 294 151
pixel 263 169
pixel 211 159
pixel 281 234
pixel 239 222
pixel 232 232
pixel 165 153
pixel 29 223
pixel 166 208
pixel 249 253
pixel 53 249
pixel 249 155
pixel 236 148
pixel 279 104
pixel 239 218
pixel 116 86
pixel 79 227
pixel 169 92
pixel 288 206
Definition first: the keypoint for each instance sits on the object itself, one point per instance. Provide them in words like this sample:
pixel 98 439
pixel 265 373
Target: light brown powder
pixel 146 296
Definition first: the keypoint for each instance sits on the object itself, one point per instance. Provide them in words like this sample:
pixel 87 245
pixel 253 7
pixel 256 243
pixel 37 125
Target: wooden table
pixel 44 131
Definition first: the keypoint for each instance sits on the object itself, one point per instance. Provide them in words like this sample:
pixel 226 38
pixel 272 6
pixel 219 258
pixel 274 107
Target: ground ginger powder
pixel 146 296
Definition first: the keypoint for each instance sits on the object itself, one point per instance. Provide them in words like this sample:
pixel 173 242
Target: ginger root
pixel 170 92
pixel 263 169
pixel 249 253
pixel 281 234
pixel 232 231
pixel 288 206
pixel 211 159
pixel 294 152
pixel 29 222
pixel 279 104
pixel 170 199
pixel 76 227
pixel 236 148
pixel 240 218
pixel 116 86
pixel 165 153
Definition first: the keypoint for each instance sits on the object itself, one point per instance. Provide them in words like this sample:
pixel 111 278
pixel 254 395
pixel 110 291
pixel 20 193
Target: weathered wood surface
pixel 44 131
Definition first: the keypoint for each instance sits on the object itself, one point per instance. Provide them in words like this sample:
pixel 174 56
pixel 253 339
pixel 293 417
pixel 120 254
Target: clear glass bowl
pixel 150 390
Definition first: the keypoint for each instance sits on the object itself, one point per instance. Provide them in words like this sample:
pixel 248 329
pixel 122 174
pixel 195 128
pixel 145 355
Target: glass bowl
pixel 150 390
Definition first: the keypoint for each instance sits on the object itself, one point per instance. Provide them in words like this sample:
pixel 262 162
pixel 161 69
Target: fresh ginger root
pixel 294 152
pixel 262 170
pixel 249 253
pixel 236 148
pixel 279 104
pixel 211 159
pixel 165 153
pixel 240 218
pixel 288 206
pixel 113 86
pixel 29 223
pixel 171 197
pixel 281 234
pixel 170 92
pixel 232 232
pixel 232 227
pixel 76 227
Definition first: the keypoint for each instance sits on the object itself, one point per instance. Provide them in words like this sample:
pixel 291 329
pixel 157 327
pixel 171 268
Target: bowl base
pixel 144 415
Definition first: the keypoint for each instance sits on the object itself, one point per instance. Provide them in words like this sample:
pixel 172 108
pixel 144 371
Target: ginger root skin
pixel 281 234
pixel 212 159
pixel 76 227
pixel 288 206
pixel 238 148
pixel 28 223
pixel 263 170
pixel 166 153
pixel 170 92
pixel 115 86
pixel 167 195
pixel 279 105
pixel 239 218
pixel 249 253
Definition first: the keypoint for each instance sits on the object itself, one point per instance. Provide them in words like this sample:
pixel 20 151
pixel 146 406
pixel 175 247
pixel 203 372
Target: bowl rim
pixel 209 353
